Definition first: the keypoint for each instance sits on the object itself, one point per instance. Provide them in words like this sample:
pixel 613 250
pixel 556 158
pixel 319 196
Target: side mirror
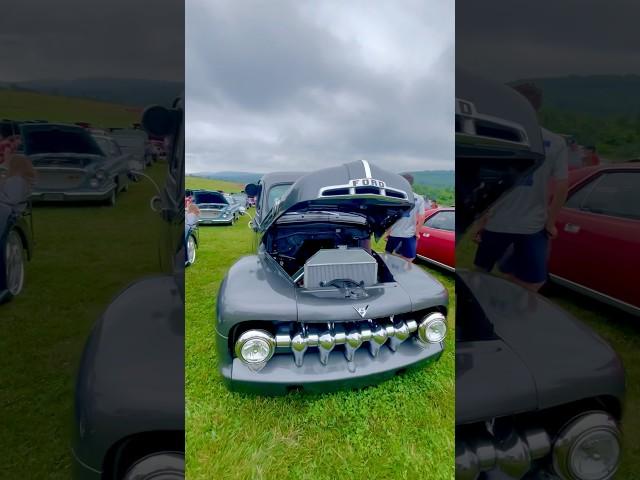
pixel 252 189
pixel 160 121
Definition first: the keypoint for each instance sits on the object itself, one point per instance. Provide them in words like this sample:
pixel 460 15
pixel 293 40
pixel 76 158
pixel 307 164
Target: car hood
pixel 539 357
pixel 356 187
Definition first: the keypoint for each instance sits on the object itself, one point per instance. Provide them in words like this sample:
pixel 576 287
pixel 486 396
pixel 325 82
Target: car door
pixel 437 238
pixel 598 244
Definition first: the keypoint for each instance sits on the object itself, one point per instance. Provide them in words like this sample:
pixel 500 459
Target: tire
pixel 191 250
pixel 157 466
pixel 15 265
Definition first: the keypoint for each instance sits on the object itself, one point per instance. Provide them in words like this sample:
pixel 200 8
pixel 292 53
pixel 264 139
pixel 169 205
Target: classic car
pixel 437 238
pixel 135 143
pixel 70 165
pixel 242 200
pixel 129 396
pixel 538 393
pixel 319 293
pixel 16 246
pixel 599 231
pixel 216 207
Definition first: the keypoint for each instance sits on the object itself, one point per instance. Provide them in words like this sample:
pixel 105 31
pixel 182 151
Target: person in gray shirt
pixel 402 236
pixel 516 231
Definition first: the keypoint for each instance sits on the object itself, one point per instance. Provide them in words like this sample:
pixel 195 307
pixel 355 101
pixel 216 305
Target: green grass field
pixel 399 429
pixel 82 260
pixel 207 184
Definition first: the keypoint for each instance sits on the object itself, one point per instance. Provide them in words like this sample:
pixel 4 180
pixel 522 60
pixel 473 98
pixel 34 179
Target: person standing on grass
pixel 515 234
pixel 402 236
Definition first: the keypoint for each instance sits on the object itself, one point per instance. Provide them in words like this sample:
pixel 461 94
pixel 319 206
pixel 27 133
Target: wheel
pixel 191 250
pixel 158 466
pixel 14 261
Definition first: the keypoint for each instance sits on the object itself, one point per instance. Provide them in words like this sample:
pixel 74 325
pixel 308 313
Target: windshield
pixel 60 141
pixel 209 197
pixel 275 193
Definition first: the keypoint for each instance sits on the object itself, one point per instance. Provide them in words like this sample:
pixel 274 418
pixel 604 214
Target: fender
pixel 131 373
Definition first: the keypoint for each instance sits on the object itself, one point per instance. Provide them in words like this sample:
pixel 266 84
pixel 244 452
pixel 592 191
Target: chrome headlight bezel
pixel 261 336
pixel 427 323
pixel 577 431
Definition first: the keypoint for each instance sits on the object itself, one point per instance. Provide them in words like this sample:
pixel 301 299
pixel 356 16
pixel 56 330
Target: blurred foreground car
pixel 70 165
pixel 325 311
pixel 538 394
pixel 599 231
pixel 437 238
pixel 133 142
pixel 129 399
pixel 16 246
pixel 216 207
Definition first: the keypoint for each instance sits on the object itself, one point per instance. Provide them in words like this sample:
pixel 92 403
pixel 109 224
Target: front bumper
pixel 92 195
pixel 213 221
pixel 281 375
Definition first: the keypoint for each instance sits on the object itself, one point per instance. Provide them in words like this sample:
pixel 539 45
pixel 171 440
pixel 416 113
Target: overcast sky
pixel 68 39
pixel 287 85
pixel 513 39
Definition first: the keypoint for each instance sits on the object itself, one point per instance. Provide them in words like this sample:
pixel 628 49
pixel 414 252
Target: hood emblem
pixel 362 311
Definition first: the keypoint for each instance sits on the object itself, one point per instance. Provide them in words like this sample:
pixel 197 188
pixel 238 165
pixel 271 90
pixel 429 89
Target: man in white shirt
pixel 402 236
pixel 517 230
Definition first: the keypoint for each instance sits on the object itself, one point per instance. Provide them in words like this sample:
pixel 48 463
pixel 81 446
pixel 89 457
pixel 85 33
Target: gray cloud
pixel 67 39
pixel 512 39
pixel 286 84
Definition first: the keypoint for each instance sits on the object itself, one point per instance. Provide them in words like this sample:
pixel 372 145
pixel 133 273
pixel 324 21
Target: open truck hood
pixel 356 187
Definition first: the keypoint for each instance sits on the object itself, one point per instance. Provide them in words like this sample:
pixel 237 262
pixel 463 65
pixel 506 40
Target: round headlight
pixel 588 448
pixel 255 348
pixel 432 328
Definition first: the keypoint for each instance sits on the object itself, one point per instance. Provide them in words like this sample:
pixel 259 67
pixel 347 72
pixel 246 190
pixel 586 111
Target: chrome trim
pixel 468 115
pixel 575 430
pixel 352 193
pixel 253 334
pixel 435 262
pixel 602 297
pixel 426 322
pixel 367 168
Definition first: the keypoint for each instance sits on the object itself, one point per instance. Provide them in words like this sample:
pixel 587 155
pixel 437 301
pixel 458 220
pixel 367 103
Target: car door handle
pixel 571 228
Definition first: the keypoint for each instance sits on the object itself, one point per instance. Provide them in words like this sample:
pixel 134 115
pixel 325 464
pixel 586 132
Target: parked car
pixel 129 394
pixel 242 200
pixel 326 312
pixel 134 142
pixel 70 165
pixel 538 393
pixel 599 231
pixel 437 238
pixel 16 247
pixel 216 207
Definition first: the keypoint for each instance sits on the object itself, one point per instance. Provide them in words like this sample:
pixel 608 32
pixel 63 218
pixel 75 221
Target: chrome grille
pixel 348 337
pixel 209 214
pixel 59 179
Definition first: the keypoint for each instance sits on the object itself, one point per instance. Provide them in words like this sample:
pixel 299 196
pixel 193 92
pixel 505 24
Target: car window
pixel 275 193
pixel 445 220
pixel 616 194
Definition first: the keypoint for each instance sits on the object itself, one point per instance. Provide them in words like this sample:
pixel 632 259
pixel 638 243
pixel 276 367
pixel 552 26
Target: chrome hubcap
pixel 14 261
pixel 191 249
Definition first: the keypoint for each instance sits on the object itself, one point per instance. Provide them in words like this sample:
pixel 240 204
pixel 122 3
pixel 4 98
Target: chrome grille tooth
pixel 299 347
pixel 353 342
pixel 378 337
pixel 401 333
pixel 326 343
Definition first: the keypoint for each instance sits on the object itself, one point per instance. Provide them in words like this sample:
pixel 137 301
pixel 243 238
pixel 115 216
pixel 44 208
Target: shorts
pixel 402 246
pixel 523 255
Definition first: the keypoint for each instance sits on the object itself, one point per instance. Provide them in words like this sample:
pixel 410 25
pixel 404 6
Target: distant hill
pixel 598 95
pixel 432 178
pixel 124 91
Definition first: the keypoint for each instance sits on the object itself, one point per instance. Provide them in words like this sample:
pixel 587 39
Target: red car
pixel 597 251
pixel 437 239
